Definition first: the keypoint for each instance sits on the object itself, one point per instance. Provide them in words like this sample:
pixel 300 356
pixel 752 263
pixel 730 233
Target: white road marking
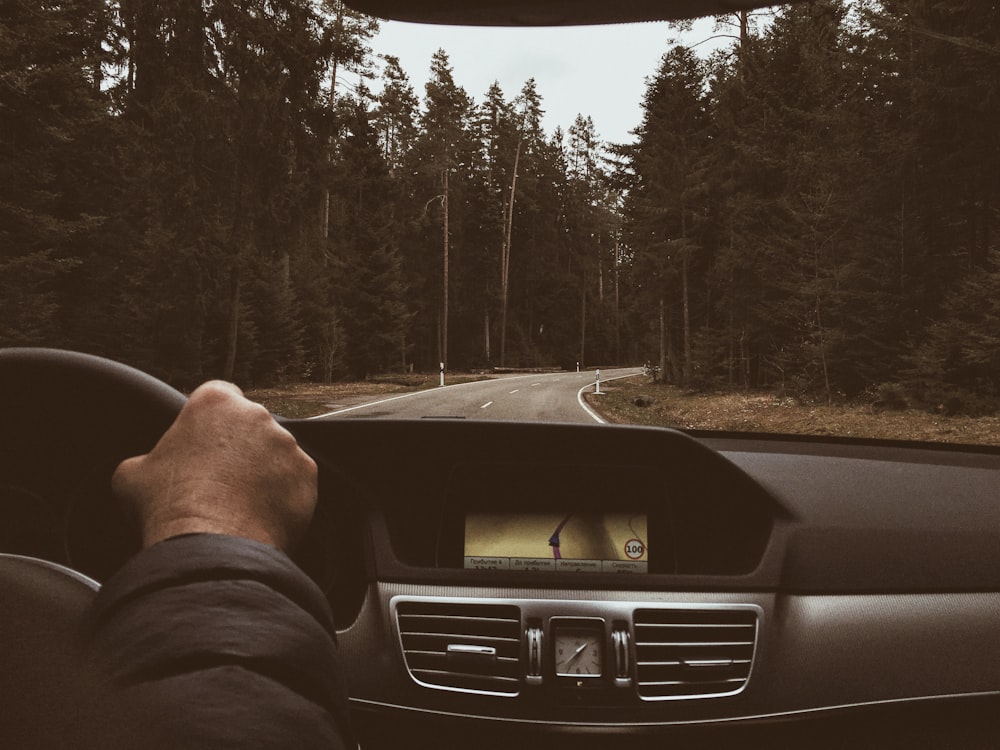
pixel 534 384
pixel 412 393
pixel 486 404
pixel 583 405
pixel 515 391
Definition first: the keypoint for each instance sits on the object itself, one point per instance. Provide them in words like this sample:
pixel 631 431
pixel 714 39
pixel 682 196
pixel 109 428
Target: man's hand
pixel 224 467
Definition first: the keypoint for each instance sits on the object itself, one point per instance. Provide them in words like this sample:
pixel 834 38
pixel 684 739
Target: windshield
pixel 779 221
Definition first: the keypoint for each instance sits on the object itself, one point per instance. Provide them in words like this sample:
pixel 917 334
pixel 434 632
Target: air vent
pixel 469 647
pixel 693 653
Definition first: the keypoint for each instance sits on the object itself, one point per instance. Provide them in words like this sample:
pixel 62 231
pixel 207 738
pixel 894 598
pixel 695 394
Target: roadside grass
pixel 762 412
pixel 301 400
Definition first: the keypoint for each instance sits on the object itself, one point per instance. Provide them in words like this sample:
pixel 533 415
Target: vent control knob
pixel 534 643
pixel 620 648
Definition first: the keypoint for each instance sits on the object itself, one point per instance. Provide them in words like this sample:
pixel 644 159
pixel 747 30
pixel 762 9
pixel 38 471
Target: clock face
pixel 578 652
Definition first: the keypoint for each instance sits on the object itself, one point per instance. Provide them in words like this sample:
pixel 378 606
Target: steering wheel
pixel 68 419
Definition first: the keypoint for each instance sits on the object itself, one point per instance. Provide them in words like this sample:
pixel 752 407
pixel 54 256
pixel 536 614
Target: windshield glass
pixel 780 221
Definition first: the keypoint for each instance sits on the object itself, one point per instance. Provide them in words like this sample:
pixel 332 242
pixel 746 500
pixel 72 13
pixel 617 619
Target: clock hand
pixel 576 653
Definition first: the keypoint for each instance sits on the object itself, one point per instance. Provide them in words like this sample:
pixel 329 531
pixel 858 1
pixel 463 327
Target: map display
pixel 570 542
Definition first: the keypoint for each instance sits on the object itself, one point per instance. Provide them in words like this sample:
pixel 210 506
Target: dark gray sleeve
pixel 215 641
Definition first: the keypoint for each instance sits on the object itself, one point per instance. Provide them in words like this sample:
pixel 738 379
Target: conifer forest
pixel 191 188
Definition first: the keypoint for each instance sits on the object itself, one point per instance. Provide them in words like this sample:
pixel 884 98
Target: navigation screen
pixel 569 542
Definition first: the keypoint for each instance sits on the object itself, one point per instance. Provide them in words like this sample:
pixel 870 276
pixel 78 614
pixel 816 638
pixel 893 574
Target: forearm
pixel 225 641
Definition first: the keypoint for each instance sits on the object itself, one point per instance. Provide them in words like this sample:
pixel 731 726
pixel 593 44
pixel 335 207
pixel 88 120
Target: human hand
pixel 224 467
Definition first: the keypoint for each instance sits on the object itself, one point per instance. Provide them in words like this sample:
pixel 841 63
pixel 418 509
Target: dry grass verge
pixel 749 412
pixel 300 400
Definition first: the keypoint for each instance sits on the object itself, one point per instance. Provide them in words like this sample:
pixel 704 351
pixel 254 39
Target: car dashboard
pixel 544 585
pixel 782 590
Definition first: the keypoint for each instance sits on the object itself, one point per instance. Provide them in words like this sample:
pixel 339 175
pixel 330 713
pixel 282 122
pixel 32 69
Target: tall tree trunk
pixel 440 355
pixel 618 332
pixel 325 213
pixel 128 20
pixel 583 319
pixel 505 257
pixel 335 62
pixel 675 373
pixel 902 236
pixel 821 334
pixel 732 347
pixel 663 341
pixel 330 348
pixel 444 318
pixel 685 298
pixel 233 326
pixel 745 359
pixel 822 353
pixel 600 272
pixel 744 38
pixel 686 302
pixel 97 53
pixel 486 335
pixel 239 237
pixel 731 294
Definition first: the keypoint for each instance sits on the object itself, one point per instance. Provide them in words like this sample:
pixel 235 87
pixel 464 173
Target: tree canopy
pixel 196 189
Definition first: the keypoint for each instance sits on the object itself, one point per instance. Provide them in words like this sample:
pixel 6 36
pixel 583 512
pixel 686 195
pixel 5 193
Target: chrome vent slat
pixel 664 683
pixel 695 644
pixel 444 674
pixel 719 662
pixel 501 668
pixel 689 625
pixel 441 655
pixel 501 659
pixel 688 653
pixel 439 639
pixel 444 636
pixel 413 616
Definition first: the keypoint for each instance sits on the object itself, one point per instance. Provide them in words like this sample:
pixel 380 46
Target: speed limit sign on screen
pixel 634 549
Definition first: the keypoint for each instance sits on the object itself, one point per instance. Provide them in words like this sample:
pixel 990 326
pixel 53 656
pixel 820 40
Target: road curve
pixel 550 397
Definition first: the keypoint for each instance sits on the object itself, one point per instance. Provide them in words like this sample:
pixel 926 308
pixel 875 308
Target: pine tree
pixel 444 141
pixel 395 115
pixel 51 108
pixel 666 203
pixel 367 272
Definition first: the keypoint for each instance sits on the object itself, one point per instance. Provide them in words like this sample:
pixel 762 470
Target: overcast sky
pixel 594 70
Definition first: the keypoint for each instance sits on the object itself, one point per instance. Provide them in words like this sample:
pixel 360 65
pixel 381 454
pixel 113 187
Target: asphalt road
pixel 550 397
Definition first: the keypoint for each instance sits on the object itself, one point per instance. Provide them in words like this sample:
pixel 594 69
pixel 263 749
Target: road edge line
pixel 583 404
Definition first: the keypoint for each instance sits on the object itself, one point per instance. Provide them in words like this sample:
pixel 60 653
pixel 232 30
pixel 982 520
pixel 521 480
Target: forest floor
pixel 757 412
pixel 300 400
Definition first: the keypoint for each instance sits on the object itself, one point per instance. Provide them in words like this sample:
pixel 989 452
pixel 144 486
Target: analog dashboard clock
pixel 578 651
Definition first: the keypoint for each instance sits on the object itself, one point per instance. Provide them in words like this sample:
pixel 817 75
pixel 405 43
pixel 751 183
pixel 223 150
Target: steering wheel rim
pixel 68 419
pixel 41 663
pixel 53 366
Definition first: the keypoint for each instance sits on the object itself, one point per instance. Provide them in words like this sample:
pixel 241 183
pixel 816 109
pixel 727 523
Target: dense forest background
pixel 192 188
